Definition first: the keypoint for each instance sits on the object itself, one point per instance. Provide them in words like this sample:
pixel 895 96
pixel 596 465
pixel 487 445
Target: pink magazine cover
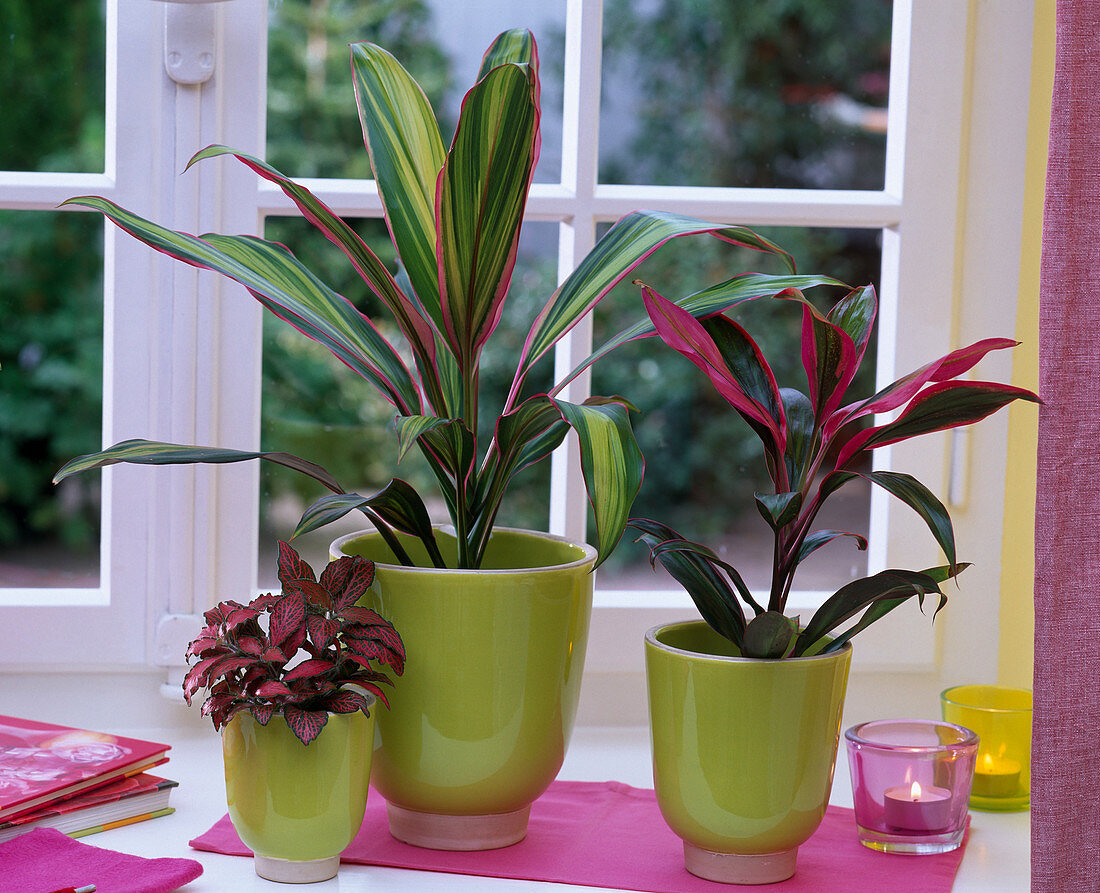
pixel 41 762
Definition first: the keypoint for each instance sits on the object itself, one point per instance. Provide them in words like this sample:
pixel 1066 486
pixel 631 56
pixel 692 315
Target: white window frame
pixel 177 540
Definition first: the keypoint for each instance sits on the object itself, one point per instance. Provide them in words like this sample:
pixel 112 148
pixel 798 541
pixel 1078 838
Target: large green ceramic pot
pixel 743 749
pixel 478 724
pixel 297 806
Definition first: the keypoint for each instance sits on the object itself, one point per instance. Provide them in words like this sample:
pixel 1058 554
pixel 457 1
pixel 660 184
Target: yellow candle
pixel 996 777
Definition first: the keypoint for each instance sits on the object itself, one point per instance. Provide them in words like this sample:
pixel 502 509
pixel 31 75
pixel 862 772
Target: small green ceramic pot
pixel 743 749
pixel 297 806
pixel 478 724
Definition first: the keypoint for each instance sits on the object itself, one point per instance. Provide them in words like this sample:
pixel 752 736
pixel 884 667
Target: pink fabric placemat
pixel 45 859
pixel 612 835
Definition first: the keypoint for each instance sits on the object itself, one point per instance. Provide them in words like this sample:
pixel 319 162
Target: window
pixel 182 350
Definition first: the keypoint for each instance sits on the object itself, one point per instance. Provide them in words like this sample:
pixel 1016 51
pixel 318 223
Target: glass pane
pixel 52 81
pixel 312 124
pixel 51 361
pixel 703 463
pixel 315 407
pixel 713 93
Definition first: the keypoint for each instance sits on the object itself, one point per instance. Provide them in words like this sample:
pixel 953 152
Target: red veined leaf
pixel 348 702
pixel 315 594
pixel 287 617
pixel 294 641
pixel 263 713
pixel 227 665
pixel 239 616
pixel 253 677
pixel 335 575
pixel 359 614
pixel 265 601
pixel 251 645
pixel 215 617
pixel 273 688
pixel 373 649
pixel 322 630
pixel 274 655
pixel 352 583
pixel 305 724
pixel 308 669
pixel 374 690
pixel 292 567
pixel 200 645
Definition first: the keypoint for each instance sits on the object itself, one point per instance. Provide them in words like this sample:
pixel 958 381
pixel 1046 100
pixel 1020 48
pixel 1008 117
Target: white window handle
pixel 189 40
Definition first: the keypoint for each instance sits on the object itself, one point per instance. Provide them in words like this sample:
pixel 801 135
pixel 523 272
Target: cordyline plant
pixel 313 627
pixel 454 216
pixel 812 447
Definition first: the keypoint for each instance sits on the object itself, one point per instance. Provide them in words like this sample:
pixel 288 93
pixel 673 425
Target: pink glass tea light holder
pixel 911 781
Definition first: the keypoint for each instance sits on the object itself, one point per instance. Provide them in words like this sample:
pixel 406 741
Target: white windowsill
pixel 996 860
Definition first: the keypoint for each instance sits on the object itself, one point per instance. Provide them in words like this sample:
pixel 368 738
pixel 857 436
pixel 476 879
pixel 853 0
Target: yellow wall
pixel 1017 616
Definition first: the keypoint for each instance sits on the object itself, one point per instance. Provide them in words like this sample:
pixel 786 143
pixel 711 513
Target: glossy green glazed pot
pixel 297 806
pixel 743 749
pixel 478 724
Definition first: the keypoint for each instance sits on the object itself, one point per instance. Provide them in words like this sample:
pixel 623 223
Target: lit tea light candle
pixel 913 808
pixel 996 777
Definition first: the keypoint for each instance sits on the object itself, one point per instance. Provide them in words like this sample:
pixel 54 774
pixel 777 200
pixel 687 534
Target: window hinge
pixel 189 40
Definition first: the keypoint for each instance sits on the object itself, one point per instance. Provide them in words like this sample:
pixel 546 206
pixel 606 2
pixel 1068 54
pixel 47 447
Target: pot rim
pixel 589 556
pixel 651 639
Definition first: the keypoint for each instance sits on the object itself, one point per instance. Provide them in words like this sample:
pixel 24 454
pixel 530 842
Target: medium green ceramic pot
pixel 478 724
pixel 743 749
pixel 297 806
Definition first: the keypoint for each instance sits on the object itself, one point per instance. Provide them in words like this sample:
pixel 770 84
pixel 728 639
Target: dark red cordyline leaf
pixel 307 669
pixel 251 645
pixel 292 567
pixel 273 688
pixel 348 702
pixel 289 614
pixel 305 724
pixel 263 713
pixel 322 630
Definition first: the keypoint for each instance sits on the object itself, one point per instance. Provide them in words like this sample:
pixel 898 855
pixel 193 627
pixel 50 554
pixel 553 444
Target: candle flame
pixel 914 791
pixel 987 763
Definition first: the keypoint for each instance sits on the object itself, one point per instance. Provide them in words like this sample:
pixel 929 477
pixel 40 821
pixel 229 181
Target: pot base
pixel 457 832
pixel 740 868
pixel 290 871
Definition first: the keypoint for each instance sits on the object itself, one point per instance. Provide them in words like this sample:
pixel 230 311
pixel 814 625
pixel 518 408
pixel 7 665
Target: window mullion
pixel 580 157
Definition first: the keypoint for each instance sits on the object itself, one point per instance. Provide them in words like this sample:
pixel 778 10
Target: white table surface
pixel 997 858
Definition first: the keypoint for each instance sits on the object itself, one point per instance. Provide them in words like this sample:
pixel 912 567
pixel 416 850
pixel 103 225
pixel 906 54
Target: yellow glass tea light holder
pixel 1001 717
pixel 910 783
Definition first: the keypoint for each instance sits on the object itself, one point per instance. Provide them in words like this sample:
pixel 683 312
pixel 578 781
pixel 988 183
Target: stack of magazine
pixel 76 780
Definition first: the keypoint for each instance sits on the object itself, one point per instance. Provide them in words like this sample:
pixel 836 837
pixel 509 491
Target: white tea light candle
pixel 913 808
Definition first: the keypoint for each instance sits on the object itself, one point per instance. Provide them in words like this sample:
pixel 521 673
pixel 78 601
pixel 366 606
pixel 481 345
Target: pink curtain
pixel 1065 808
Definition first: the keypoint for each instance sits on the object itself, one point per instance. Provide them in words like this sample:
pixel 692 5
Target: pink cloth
pixel 1065 797
pixel 45 859
pixel 612 835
